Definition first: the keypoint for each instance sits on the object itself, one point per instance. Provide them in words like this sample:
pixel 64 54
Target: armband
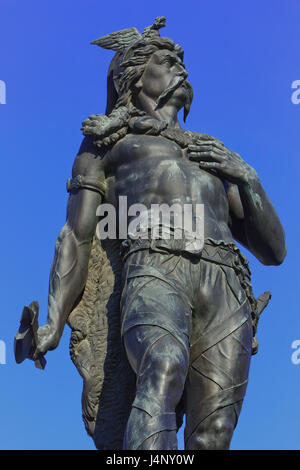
pixel 87 182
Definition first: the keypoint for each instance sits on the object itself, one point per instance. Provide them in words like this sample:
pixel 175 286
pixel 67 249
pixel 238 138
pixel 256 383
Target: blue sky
pixel 242 60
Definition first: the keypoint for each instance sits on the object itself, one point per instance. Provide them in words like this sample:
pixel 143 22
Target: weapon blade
pixel 26 338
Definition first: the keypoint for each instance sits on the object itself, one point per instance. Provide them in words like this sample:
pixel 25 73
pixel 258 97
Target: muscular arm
pixel 70 264
pixel 255 222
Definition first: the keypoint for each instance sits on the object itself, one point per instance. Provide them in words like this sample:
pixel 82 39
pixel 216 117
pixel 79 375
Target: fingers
pixel 37 353
pixel 205 148
pixel 205 156
pixel 41 348
pixel 211 165
pixel 207 152
pixel 217 144
pixel 46 344
pixel 207 144
pixel 213 145
pixel 47 339
pixel 236 155
pixel 211 150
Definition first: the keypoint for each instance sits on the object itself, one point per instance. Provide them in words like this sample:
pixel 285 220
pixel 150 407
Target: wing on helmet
pixel 118 40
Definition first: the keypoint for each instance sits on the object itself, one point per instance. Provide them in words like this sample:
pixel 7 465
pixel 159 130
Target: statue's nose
pixel 181 71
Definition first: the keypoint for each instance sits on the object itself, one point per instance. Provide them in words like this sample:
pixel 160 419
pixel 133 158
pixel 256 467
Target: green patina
pixel 256 198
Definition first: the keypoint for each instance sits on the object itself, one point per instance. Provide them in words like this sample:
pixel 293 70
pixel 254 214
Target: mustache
pixel 188 103
pixel 175 83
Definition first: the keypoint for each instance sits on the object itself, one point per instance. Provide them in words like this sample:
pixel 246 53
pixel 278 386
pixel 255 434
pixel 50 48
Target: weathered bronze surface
pixel 159 329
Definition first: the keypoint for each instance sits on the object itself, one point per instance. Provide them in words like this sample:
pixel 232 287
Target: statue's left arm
pixel 253 219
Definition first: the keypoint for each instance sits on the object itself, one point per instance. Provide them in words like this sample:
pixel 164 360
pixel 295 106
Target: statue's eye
pixel 168 60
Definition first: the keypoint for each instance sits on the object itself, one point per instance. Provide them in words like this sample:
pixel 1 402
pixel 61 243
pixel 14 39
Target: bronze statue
pixel 161 326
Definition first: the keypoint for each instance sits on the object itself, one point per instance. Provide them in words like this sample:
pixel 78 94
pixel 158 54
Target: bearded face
pixel 164 81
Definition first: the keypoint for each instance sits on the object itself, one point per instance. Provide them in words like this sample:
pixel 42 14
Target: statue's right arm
pixel 70 264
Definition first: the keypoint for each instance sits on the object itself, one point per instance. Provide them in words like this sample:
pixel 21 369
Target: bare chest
pixel 158 165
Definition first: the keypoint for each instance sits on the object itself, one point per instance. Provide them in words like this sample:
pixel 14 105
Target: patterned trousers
pixel 187 331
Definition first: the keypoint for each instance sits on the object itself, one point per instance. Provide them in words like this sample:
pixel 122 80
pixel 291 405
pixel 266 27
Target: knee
pixel 169 363
pixel 220 434
pixel 212 434
pixel 163 371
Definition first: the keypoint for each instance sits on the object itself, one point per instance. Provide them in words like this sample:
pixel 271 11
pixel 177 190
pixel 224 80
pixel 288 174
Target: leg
pixel 155 327
pixel 160 362
pixel 216 386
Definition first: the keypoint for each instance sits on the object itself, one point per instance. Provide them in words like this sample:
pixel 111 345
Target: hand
pixel 48 339
pixel 212 155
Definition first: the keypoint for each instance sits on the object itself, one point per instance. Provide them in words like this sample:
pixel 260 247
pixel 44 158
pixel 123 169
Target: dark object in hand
pixel 26 337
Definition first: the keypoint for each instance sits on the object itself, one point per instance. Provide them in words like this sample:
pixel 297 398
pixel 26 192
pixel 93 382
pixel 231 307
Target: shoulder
pixel 88 159
pixel 87 146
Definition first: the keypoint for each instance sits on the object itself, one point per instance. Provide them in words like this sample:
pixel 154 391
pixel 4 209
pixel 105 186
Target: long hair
pixel 123 86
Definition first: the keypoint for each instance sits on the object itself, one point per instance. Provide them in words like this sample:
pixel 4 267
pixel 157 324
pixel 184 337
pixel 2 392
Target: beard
pixel 176 83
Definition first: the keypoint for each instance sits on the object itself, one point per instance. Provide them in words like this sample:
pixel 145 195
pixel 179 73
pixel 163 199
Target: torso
pixel 154 170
